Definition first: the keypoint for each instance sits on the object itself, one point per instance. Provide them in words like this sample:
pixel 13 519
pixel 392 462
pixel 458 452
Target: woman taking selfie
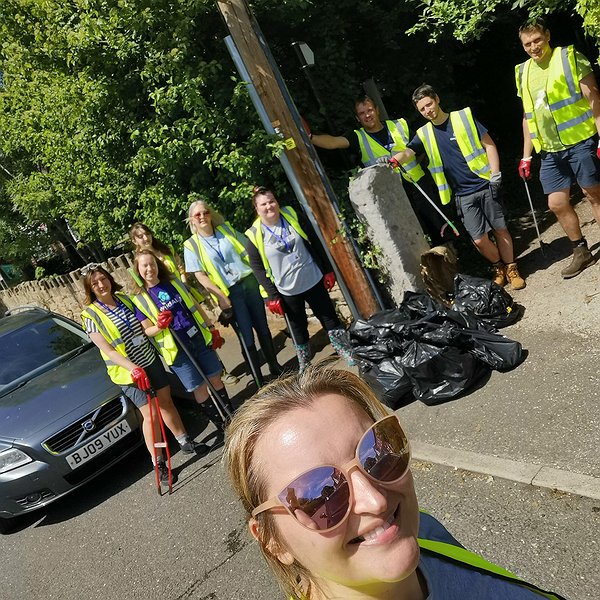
pixel 293 270
pixel 334 509
pixel 131 359
pixel 165 304
pixel 216 255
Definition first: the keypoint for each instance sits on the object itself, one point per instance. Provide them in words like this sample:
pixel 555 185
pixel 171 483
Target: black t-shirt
pixel 461 179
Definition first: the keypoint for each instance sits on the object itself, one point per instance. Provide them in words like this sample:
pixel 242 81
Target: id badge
pixel 137 340
pixel 192 331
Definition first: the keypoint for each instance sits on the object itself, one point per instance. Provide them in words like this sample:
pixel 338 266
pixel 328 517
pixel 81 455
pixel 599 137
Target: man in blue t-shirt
pixel 464 163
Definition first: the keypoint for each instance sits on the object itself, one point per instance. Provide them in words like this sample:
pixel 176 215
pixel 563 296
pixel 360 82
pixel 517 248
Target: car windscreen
pixel 37 345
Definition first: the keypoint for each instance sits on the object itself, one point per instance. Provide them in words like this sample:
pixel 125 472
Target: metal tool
pixel 154 408
pixel 537 229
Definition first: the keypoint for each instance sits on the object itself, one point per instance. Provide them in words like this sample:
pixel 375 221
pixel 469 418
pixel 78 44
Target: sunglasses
pixel 90 268
pixel 320 498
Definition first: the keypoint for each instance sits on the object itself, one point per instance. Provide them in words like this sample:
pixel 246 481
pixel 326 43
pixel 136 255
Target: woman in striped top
pixel 110 322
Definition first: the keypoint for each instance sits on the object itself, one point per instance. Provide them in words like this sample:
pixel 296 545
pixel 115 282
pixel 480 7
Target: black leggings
pixel 318 299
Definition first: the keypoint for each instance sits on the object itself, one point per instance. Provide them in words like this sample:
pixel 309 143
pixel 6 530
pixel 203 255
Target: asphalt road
pixel 117 539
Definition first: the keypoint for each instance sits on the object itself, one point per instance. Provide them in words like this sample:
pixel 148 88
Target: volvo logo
pixel 88 425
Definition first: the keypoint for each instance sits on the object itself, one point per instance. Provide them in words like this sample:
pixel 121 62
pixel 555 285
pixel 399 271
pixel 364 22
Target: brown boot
pixel 513 276
pixel 499 273
pixel 582 259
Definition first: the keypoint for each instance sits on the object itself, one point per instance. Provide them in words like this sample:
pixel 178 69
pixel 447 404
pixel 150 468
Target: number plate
pixel 99 444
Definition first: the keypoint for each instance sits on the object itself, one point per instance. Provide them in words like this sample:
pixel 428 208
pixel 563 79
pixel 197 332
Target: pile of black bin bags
pixel 423 350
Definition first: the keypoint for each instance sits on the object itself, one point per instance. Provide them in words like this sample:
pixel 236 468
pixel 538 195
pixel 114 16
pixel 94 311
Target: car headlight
pixel 12 458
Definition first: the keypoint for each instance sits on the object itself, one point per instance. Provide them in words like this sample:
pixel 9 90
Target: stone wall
pixel 380 201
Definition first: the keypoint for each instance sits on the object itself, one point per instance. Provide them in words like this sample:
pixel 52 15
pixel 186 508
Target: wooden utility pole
pixel 251 47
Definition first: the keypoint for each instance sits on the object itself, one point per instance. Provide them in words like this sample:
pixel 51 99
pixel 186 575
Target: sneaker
pixel 191 447
pixel 163 473
pixel 582 259
pixel 513 276
pixel 499 273
pixel 229 379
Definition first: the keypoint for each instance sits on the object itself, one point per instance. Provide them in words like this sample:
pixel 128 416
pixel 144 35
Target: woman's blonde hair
pixel 250 422
pixel 216 217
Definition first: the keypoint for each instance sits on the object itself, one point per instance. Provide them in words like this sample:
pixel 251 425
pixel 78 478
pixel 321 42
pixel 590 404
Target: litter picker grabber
pixel 154 408
pixel 256 372
pixel 214 395
pixel 537 229
pixel 395 163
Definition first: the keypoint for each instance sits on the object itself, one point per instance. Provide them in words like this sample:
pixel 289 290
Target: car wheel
pixel 7 524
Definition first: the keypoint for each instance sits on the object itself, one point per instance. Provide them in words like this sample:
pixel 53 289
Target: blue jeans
pixel 249 309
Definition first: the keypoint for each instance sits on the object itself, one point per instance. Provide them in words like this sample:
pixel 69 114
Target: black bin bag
pixel 389 382
pixel 441 373
pixel 485 300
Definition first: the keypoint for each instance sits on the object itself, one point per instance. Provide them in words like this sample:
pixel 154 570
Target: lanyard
pixel 122 315
pixel 216 248
pixel 390 141
pixel 284 229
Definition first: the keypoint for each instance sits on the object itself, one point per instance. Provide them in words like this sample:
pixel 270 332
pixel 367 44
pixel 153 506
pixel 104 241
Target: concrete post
pixel 381 202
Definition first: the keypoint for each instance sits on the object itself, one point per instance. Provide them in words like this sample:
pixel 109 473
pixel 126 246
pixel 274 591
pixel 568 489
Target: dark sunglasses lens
pixel 319 499
pixel 384 452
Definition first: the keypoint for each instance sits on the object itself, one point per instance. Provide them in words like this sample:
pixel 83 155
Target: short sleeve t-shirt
pixel 166 297
pixel 537 83
pixel 449 580
pixel 461 179
pixel 225 259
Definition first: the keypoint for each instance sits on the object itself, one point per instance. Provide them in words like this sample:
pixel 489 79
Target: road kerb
pixel 521 472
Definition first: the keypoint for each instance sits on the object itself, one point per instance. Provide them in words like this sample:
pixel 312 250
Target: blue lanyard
pixel 284 228
pixel 216 248
pixel 121 316
pixel 390 142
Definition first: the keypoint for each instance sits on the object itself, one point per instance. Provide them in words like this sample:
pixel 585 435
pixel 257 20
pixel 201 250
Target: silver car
pixel 62 420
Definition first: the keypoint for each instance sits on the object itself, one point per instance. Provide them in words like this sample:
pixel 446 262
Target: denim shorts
pixel 481 212
pixel 206 358
pixel 158 379
pixel 579 163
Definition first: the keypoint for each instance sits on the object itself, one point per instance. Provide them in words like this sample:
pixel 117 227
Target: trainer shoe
pixel 513 276
pixel 229 379
pixel 499 273
pixel 191 447
pixel 582 259
pixel 163 473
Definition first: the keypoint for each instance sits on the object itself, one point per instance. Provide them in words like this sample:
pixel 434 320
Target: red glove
pixel 306 126
pixel 275 306
pixel 525 168
pixel 164 319
pixel 217 340
pixel 139 377
pixel 598 150
pixel 394 163
pixel 329 281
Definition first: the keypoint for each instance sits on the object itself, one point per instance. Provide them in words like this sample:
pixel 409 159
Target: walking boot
pixel 341 344
pixel 513 276
pixel 582 259
pixel 253 359
pixel 268 349
pixel 214 416
pixel 499 273
pixel 304 355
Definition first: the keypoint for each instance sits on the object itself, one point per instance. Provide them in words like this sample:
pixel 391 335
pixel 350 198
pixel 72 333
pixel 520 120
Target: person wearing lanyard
pixel 217 256
pixel 290 267
pixel 164 296
pixel 143 238
pixel 130 358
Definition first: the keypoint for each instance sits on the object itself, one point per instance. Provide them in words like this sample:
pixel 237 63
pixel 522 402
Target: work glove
pixel 275 306
pixel 496 183
pixel 226 317
pixel 217 341
pixel 525 168
pixel 598 150
pixel 329 280
pixel 139 377
pixel 306 127
pixel 384 160
pixel 165 317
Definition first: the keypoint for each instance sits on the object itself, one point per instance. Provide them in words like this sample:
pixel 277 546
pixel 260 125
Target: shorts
pixel 480 212
pixel 158 378
pixel 579 163
pixel 206 358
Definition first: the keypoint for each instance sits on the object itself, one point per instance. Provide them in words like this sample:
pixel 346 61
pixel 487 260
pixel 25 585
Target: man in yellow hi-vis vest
pixel 464 163
pixel 561 121
pixel 375 139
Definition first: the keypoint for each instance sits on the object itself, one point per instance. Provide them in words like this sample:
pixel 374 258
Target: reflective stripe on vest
pixel 371 150
pixel 165 341
pixel 109 331
pixel 467 138
pixel 570 110
pixel 255 235
pixel 195 245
